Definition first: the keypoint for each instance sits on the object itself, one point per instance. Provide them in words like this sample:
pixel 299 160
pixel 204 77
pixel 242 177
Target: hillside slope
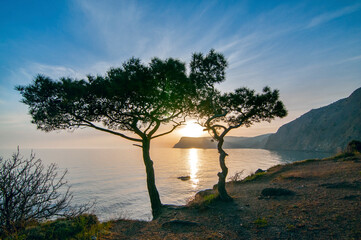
pixel 325 129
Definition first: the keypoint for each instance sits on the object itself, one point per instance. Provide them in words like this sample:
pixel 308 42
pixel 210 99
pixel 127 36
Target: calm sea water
pixel 115 178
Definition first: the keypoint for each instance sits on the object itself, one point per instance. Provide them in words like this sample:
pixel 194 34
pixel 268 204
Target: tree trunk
pixel 152 189
pixel 222 175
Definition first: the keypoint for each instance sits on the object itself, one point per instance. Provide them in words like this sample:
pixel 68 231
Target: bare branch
pixel 29 191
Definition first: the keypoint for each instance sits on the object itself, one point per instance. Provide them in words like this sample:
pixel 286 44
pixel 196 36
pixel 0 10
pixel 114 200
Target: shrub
pixel 261 222
pixel 277 192
pixel 236 177
pixel 254 176
pixel 204 198
pixel 353 146
pixel 30 192
pixel 81 227
pixel 208 199
pixel 291 227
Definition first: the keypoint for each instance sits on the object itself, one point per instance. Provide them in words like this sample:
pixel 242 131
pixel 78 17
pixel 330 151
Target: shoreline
pixel 325 204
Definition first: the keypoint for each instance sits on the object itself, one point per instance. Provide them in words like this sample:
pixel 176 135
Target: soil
pixel 312 199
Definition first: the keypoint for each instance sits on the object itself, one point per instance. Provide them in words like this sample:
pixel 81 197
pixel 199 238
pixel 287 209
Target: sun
pixel 191 129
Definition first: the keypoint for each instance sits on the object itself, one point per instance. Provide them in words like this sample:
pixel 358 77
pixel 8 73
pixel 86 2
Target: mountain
pixel 230 142
pixel 327 129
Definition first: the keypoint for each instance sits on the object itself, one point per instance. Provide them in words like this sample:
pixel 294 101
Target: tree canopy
pixel 243 107
pixel 134 98
pixel 223 112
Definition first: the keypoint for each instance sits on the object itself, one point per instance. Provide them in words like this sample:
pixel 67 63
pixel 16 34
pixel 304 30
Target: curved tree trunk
pixel 152 189
pixel 222 175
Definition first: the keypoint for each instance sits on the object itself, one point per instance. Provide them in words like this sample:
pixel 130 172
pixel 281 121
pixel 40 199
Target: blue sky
pixel 309 50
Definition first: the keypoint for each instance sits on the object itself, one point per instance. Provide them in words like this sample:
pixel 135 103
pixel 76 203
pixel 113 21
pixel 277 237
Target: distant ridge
pixel 230 142
pixel 327 129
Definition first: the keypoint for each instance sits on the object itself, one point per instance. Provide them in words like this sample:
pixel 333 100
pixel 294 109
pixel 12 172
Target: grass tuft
pixel 261 222
pixel 254 176
pixel 203 199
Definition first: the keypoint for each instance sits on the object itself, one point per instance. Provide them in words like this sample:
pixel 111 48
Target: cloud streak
pixel 329 16
pixel 265 44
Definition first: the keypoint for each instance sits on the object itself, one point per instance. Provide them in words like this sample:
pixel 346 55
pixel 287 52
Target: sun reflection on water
pixel 193 166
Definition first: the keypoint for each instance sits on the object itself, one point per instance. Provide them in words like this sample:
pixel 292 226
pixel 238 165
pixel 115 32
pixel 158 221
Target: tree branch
pixel 207 123
pixel 174 115
pixel 219 126
pixel 89 124
pixel 156 127
pixel 173 128
pixel 236 126
pixel 136 129
pixel 149 126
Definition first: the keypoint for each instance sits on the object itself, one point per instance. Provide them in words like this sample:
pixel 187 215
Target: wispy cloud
pixel 326 17
pixel 25 74
pixel 351 59
pixel 127 29
pixel 52 71
pixel 265 44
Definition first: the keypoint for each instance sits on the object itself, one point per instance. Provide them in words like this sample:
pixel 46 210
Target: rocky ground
pixel 312 199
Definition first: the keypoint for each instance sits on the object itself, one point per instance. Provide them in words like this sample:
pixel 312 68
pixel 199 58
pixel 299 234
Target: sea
pixel 115 178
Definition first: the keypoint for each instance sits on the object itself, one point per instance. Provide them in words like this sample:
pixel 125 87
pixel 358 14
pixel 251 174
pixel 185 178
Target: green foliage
pixel 261 222
pixel 203 199
pixel 291 227
pixel 134 97
pixel 222 113
pixel 254 176
pixel 354 147
pixel 243 107
pixel 207 70
pixel 208 199
pixel 81 227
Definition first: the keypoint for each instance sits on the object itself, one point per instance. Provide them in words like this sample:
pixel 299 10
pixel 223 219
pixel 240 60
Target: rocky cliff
pixel 329 128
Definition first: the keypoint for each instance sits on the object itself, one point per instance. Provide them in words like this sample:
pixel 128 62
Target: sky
pixel 309 50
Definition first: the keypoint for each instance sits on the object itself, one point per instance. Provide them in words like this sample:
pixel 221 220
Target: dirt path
pixel 323 202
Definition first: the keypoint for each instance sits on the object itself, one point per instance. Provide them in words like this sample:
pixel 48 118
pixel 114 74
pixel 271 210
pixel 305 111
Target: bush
pixel 254 176
pixel 277 192
pixel 236 177
pixel 261 222
pixel 30 192
pixel 204 198
pixel 81 227
pixel 353 147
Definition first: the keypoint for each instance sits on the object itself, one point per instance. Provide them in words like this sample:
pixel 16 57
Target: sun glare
pixel 191 129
